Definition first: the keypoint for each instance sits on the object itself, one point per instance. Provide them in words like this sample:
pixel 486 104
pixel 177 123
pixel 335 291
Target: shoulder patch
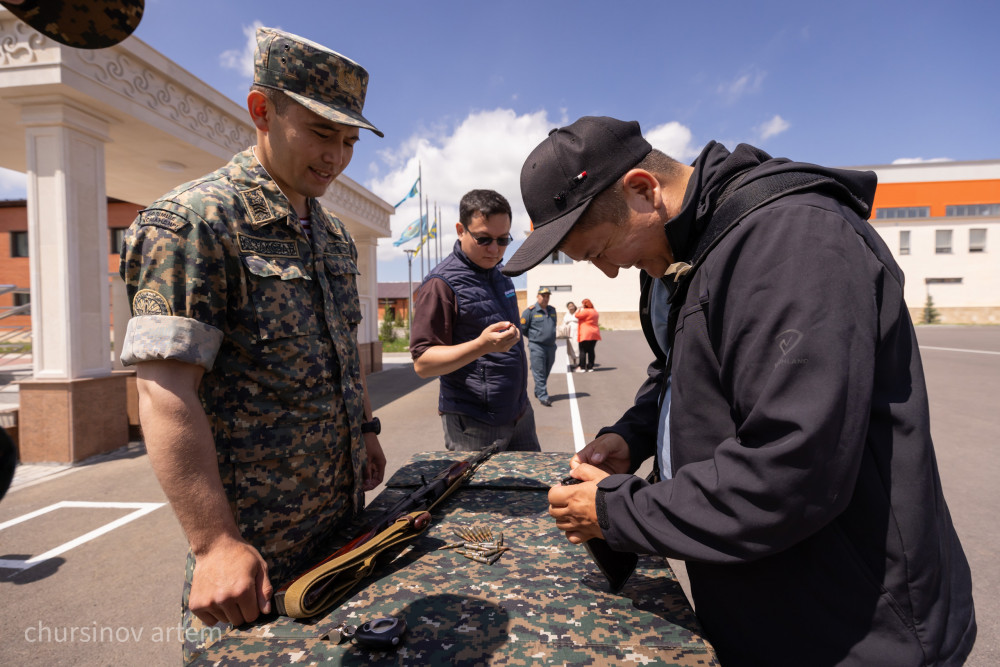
pixel 157 217
pixel 524 321
pixel 257 206
pixel 267 247
pixel 148 302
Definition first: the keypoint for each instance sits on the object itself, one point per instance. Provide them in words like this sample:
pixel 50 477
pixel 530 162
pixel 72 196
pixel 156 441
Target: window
pixel 942 241
pixel 19 244
pixel 558 288
pixel 117 237
pixel 897 212
pixel 972 210
pixel 557 258
pixel 904 242
pixel 977 240
pixel 21 299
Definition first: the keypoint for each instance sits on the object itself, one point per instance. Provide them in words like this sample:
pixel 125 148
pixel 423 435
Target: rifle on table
pixel 327 582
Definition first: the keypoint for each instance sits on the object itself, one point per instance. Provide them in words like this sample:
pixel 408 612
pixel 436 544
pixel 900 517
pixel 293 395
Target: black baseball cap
pixel 563 175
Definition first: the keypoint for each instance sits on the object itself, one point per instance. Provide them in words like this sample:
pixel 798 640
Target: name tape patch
pixel 267 247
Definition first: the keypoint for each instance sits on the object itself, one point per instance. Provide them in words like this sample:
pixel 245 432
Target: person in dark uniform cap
pixel 538 325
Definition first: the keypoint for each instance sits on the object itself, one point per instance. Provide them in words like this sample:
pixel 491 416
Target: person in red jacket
pixel 589 334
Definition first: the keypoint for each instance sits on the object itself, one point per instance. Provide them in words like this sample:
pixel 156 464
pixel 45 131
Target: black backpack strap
pixel 737 201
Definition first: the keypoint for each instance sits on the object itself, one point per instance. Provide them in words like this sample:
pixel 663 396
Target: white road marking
pixel 562 361
pixel 957 349
pixel 141 509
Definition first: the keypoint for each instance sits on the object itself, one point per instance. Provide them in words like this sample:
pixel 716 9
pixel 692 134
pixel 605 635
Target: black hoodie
pixel 805 497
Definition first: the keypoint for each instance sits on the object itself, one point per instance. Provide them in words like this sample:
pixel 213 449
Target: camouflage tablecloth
pixel 543 602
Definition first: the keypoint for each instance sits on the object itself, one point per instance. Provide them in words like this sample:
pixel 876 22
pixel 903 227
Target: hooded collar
pixel 715 167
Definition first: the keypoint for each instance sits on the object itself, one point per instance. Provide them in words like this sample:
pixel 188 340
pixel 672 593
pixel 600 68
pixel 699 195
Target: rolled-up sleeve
pixel 152 337
pixel 175 273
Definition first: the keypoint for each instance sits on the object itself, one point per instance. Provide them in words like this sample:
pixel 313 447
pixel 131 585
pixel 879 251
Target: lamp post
pixel 409 300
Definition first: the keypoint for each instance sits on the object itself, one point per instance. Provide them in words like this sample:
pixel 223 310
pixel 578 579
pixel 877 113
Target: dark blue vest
pixel 493 388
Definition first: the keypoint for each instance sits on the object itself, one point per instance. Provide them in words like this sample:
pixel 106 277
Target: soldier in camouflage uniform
pixel 245 312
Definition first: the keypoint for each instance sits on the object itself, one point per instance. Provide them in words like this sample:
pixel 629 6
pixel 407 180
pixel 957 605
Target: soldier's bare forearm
pixel 181 450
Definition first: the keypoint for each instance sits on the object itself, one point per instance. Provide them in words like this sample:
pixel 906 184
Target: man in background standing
pixel 538 325
pixel 464 332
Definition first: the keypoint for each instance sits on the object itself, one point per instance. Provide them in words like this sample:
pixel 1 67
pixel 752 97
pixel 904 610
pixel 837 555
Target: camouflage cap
pixel 95 24
pixel 319 79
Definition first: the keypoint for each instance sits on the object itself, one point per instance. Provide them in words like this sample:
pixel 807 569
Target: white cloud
pixel 241 60
pixel 486 150
pixel 673 139
pixel 772 128
pixel 13 184
pixel 748 83
pixel 920 160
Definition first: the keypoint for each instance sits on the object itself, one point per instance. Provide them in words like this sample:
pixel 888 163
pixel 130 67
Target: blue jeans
pixel 542 359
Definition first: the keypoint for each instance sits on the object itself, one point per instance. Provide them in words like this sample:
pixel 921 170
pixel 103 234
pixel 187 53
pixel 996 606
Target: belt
pixel 325 584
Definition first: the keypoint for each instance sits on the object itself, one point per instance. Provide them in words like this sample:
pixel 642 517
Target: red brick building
pixel 14 249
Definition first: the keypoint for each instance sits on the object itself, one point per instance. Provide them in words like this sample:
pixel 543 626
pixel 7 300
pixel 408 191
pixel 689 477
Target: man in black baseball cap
pixel 785 407
pixel 563 175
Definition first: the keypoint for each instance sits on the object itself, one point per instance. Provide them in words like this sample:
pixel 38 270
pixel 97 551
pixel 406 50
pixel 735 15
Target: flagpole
pixel 420 204
pixel 409 300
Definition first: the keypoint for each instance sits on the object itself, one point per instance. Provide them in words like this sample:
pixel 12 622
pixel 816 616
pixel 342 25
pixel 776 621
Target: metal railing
pixel 15 340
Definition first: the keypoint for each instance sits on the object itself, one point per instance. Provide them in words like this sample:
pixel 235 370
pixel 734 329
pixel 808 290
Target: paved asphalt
pixel 113 597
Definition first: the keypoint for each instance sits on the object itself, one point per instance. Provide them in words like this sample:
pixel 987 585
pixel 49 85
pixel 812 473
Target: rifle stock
pixel 323 584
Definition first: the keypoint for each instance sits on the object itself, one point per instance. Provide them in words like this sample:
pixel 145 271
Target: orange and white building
pixel 941 220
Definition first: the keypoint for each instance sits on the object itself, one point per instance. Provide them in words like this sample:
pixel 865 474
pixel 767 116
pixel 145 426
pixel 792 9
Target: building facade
pixel 86 126
pixel 941 220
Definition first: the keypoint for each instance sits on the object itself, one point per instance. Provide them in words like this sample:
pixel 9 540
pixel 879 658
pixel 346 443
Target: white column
pixel 67 238
pixel 367 288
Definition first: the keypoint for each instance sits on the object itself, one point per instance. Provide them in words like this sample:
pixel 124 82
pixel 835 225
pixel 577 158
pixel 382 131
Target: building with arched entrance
pixel 124 123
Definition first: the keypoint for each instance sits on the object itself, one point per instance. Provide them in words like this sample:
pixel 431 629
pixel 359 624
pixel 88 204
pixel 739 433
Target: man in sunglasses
pixel 465 332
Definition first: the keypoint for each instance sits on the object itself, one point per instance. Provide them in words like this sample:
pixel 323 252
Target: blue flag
pixel 412 193
pixel 412 231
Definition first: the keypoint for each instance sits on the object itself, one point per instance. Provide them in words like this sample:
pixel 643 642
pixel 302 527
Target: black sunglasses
pixel 503 241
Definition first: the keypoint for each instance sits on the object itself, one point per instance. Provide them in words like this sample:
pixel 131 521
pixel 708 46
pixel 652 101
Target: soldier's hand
pixel 230 584
pixel 574 507
pixel 375 470
pixel 500 336
pixel 608 452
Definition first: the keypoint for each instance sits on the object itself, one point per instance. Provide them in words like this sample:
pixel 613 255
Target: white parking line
pixel 141 509
pixel 562 361
pixel 957 349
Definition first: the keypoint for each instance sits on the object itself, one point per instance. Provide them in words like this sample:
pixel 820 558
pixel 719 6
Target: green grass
pixel 398 345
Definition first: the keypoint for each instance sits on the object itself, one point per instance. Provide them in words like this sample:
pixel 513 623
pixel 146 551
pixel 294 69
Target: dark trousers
pixel 462 433
pixel 587 354
pixel 542 358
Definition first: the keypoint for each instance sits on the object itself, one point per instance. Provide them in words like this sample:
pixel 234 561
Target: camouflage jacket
pixel 220 273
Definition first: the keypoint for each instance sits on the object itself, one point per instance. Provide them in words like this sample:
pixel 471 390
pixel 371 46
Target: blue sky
pixel 469 88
